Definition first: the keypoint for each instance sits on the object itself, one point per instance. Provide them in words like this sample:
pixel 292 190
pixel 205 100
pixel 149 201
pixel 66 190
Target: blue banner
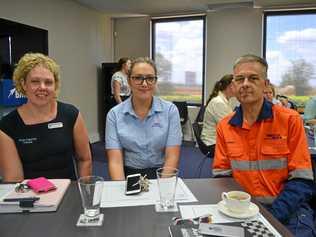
pixel 8 94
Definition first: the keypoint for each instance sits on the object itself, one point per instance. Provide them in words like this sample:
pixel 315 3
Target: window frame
pixel 287 12
pixel 266 14
pixel 183 18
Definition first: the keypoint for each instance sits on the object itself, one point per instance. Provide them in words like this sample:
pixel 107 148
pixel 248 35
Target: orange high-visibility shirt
pixel 263 156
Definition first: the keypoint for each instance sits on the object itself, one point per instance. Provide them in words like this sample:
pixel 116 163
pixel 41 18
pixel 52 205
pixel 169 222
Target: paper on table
pixel 5 189
pixel 113 194
pixel 192 211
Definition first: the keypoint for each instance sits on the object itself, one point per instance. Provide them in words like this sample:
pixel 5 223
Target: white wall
pixel 131 37
pixel 231 33
pixel 79 40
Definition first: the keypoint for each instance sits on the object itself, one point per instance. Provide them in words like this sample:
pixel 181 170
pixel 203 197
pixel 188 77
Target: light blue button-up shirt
pixel 143 141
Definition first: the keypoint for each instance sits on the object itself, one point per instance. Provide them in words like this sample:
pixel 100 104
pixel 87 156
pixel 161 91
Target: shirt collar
pixel 265 113
pixel 155 107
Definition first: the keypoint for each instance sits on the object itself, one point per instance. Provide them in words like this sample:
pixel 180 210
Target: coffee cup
pixel 236 201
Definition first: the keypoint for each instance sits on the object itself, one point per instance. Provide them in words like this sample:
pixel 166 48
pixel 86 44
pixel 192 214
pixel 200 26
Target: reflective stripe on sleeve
pixel 222 172
pixel 301 173
pixel 266 199
pixel 279 163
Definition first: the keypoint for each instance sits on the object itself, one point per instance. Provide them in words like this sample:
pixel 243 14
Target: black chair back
pixel 197 129
pixel 183 111
pixel 200 117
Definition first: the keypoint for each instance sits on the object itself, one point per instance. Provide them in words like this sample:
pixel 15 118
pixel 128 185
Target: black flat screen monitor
pixel 16 39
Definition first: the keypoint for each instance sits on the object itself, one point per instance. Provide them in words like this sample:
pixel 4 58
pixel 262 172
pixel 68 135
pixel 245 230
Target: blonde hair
pixel 271 86
pixel 30 61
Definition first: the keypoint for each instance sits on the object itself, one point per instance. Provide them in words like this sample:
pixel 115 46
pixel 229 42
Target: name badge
pixel 55 125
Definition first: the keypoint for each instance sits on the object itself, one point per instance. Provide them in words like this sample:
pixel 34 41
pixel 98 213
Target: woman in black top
pixel 41 137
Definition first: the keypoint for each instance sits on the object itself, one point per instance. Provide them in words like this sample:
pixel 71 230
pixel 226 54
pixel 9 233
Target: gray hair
pixel 250 58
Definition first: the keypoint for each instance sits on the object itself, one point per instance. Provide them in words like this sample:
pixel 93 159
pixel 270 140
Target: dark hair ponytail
pixel 121 62
pixel 220 85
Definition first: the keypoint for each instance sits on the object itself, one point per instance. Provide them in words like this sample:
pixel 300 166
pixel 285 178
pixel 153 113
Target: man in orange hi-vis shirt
pixel 263 146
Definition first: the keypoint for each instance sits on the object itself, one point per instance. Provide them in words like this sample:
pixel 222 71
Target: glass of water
pixel 167 178
pixel 91 191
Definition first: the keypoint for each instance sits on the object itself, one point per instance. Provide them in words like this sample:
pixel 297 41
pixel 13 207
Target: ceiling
pixel 176 7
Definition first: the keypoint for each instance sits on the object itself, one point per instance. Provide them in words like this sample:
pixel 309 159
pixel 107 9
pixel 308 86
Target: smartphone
pixel 132 184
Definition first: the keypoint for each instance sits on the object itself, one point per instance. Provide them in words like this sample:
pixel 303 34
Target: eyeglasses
pixel 139 80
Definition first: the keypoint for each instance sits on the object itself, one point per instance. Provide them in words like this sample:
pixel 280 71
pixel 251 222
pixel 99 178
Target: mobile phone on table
pixel 132 184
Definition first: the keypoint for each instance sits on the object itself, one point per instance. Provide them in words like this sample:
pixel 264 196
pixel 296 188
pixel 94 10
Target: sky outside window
pixel 178 52
pixel 291 53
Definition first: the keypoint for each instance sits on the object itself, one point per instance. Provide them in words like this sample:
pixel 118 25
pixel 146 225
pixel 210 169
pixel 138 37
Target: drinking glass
pixel 91 191
pixel 167 178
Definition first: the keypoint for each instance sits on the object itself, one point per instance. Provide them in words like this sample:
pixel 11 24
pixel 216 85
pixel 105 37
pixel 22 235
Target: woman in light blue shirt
pixel 143 133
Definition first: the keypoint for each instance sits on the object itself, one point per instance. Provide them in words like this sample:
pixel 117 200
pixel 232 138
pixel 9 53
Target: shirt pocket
pixel 275 149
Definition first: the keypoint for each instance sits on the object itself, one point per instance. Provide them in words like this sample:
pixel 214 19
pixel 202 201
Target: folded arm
pixel 295 192
pixel 299 187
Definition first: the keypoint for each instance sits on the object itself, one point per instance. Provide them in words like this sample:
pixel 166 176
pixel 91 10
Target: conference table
pixel 140 221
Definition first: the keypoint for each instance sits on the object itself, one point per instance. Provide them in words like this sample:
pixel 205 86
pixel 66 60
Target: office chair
pixel 184 114
pixel 197 129
pixel 183 111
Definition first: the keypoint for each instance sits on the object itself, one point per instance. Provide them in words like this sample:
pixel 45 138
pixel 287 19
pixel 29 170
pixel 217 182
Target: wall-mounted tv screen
pixel 16 39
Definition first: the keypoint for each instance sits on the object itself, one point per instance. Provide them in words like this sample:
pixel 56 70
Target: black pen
pixel 30 199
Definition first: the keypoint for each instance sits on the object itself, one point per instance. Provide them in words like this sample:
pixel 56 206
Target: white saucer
pixel 252 211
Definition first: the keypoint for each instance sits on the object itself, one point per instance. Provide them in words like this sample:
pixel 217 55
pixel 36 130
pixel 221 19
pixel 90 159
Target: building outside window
pixel 178 49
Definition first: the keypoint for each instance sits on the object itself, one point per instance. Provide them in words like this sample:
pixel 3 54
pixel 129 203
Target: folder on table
pixel 47 202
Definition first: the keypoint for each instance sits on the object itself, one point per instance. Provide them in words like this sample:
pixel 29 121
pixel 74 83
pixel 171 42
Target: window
pixel 290 49
pixel 178 50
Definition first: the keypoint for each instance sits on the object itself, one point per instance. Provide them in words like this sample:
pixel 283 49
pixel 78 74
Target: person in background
pixel 264 148
pixel 144 132
pixel 119 85
pixel 217 107
pixel 41 137
pixel 285 102
pixel 269 94
pixel 310 111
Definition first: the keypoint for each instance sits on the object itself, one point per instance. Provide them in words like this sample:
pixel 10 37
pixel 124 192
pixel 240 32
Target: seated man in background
pixel 264 148
pixel 285 102
pixel 310 111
